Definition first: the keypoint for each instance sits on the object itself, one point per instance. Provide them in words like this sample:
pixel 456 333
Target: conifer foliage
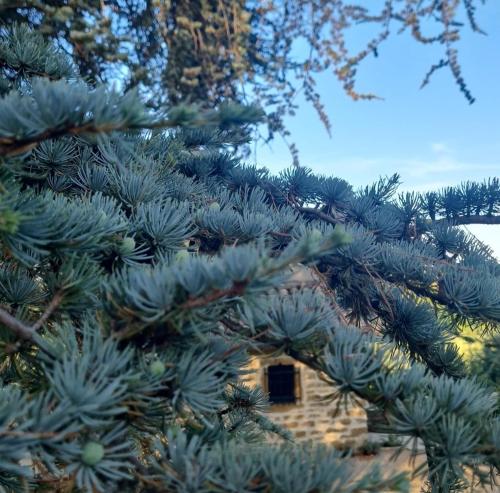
pixel 142 264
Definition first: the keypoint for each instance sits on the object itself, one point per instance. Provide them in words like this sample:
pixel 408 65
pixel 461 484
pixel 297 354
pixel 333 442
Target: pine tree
pixel 142 263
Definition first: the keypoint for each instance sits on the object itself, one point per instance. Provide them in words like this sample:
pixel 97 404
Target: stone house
pixel 297 394
pixel 297 398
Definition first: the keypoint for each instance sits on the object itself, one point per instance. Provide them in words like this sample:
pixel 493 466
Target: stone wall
pixel 313 417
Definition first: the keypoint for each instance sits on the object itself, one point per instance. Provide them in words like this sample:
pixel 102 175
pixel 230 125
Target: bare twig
pixel 56 301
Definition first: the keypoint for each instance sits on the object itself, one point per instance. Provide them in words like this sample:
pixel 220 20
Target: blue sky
pixel 431 137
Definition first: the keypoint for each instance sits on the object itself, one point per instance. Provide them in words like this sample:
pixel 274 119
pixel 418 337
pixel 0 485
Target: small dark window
pixel 282 384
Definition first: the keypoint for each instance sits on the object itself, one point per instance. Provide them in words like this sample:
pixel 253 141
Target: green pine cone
pixel 92 453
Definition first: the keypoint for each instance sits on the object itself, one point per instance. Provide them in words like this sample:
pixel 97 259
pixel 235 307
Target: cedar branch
pixel 26 332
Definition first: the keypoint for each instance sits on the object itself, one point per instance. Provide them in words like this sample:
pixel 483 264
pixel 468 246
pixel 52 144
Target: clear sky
pixel 431 137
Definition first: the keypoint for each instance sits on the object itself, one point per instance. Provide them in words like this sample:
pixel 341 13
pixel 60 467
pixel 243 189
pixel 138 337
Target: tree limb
pixel 236 289
pixel 474 219
pixel 48 312
pixel 24 331
pixel 320 214
pixel 21 330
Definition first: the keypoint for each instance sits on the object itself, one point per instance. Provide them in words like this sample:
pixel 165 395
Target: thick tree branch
pixel 474 219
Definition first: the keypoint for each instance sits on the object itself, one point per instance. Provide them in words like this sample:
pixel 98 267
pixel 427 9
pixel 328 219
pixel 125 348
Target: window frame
pixel 297 387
